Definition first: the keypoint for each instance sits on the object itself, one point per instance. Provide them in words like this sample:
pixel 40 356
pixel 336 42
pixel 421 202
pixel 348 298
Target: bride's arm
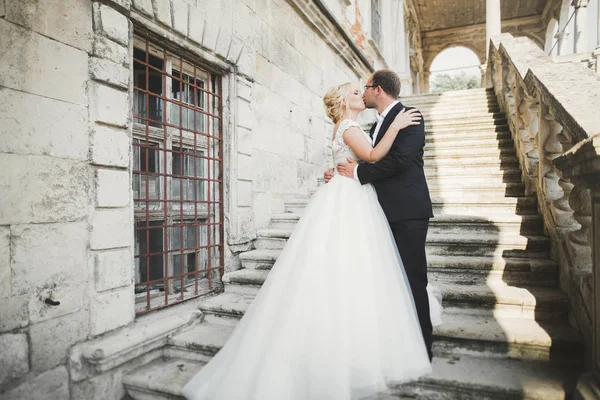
pixel 355 138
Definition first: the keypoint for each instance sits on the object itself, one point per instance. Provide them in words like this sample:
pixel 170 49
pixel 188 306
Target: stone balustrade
pixel 553 113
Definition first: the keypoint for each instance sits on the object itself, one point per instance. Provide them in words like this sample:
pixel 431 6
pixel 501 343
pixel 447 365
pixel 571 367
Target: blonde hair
pixel 333 101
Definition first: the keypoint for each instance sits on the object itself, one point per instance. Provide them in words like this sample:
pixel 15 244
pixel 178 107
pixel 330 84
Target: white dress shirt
pixel 380 118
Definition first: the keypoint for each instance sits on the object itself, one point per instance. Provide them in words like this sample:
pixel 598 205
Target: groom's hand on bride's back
pixel 328 175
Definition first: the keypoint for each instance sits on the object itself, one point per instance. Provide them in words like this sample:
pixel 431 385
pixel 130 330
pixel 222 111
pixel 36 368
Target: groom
pixel 399 181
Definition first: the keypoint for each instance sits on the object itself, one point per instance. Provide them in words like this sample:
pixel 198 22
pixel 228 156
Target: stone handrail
pixel 553 110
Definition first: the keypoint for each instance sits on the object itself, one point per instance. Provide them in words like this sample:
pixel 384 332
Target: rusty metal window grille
pixel 177 177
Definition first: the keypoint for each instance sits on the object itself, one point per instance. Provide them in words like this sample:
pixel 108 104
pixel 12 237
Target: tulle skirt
pixel 335 319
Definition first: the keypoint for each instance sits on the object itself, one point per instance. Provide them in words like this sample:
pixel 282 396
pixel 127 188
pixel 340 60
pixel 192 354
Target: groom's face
pixel 370 95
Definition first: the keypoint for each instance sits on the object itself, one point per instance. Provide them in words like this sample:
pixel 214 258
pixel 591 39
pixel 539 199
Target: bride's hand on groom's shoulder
pixel 328 175
pixel 406 118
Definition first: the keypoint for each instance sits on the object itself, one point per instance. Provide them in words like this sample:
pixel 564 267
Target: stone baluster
pixel 528 130
pixel 579 241
pixel 555 189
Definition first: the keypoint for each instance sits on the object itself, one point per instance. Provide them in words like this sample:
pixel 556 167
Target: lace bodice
pixel 339 149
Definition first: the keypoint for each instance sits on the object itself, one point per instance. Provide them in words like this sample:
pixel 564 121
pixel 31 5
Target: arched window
pixel 455 68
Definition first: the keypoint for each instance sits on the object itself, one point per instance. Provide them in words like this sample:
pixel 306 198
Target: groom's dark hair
pixel 388 80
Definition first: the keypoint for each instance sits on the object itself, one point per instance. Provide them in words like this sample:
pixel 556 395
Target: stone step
pixel 471 205
pixel 472 109
pixel 465 120
pixel 470 143
pixel 450 223
pixel 495 297
pixel 469 160
pixel 469 170
pixel 449 104
pixel 478 270
pixel 480 378
pixel 482 205
pixel 500 331
pixel 445 152
pixel 484 270
pixel 488 244
pixel 453 377
pixel 439 136
pixel 449 109
pixel 161 379
pixel 485 128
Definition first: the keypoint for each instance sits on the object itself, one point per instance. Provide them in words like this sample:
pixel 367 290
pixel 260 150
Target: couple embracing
pixel 346 309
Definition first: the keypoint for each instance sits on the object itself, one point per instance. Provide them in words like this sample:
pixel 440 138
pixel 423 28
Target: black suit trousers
pixel 410 238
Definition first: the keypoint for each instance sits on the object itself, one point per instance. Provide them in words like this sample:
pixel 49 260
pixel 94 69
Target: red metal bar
pixel 194 212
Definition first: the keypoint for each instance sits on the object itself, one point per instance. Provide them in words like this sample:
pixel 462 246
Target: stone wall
pixel 66 212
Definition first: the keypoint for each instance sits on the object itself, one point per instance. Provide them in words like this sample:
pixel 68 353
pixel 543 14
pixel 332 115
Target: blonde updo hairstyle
pixel 333 101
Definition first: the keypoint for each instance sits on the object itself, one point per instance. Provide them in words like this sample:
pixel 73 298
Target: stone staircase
pixel 505 333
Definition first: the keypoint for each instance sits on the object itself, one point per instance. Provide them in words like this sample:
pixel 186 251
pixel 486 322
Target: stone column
pixel 562 26
pixel 426 76
pixel 492 21
pixel 580 25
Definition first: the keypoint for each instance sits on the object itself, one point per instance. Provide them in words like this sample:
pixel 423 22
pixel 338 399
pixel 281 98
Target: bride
pixel 335 319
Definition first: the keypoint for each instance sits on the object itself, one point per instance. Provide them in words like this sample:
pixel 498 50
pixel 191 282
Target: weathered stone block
pixel 5 274
pixel 235 50
pixel 223 41
pixel 245 116
pixel 47 255
pixel 163 11
pixel 144 6
pixel 67 21
pixel 110 106
pixel 112 23
pixel 244 167
pixel 113 269
pixel 110 146
pixel 112 188
pixel 196 24
pixel 72 297
pixel 180 17
pixel 53 384
pixel 45 64
pixel 244 194
pixel 244 141
pixel 42 189
pixel 51 340
pixel 14 312
pixel 111 228
pixel 247 62
pixel 106 48
pixel 111 310
pixel 14 359
pixel 211 33
pixel 244 89
pixel 2 8
pixel 41 126
pixel 109 72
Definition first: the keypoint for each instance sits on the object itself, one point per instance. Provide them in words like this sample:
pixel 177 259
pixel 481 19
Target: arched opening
pixel 455 68
pixel 550 45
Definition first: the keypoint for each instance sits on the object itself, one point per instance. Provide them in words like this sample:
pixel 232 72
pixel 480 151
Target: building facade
pixel 143 143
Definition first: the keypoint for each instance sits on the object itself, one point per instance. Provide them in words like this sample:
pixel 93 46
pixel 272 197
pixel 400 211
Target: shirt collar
pixel 385 112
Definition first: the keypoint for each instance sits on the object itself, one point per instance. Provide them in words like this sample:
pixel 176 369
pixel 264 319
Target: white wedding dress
pixel 335 319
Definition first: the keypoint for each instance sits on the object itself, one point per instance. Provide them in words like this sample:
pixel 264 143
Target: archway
pixel 455 68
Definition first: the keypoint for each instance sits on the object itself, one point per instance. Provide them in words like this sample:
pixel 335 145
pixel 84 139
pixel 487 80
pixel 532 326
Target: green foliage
pixel 446 82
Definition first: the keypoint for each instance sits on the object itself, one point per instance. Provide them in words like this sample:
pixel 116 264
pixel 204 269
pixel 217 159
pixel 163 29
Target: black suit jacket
pixel 399 178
